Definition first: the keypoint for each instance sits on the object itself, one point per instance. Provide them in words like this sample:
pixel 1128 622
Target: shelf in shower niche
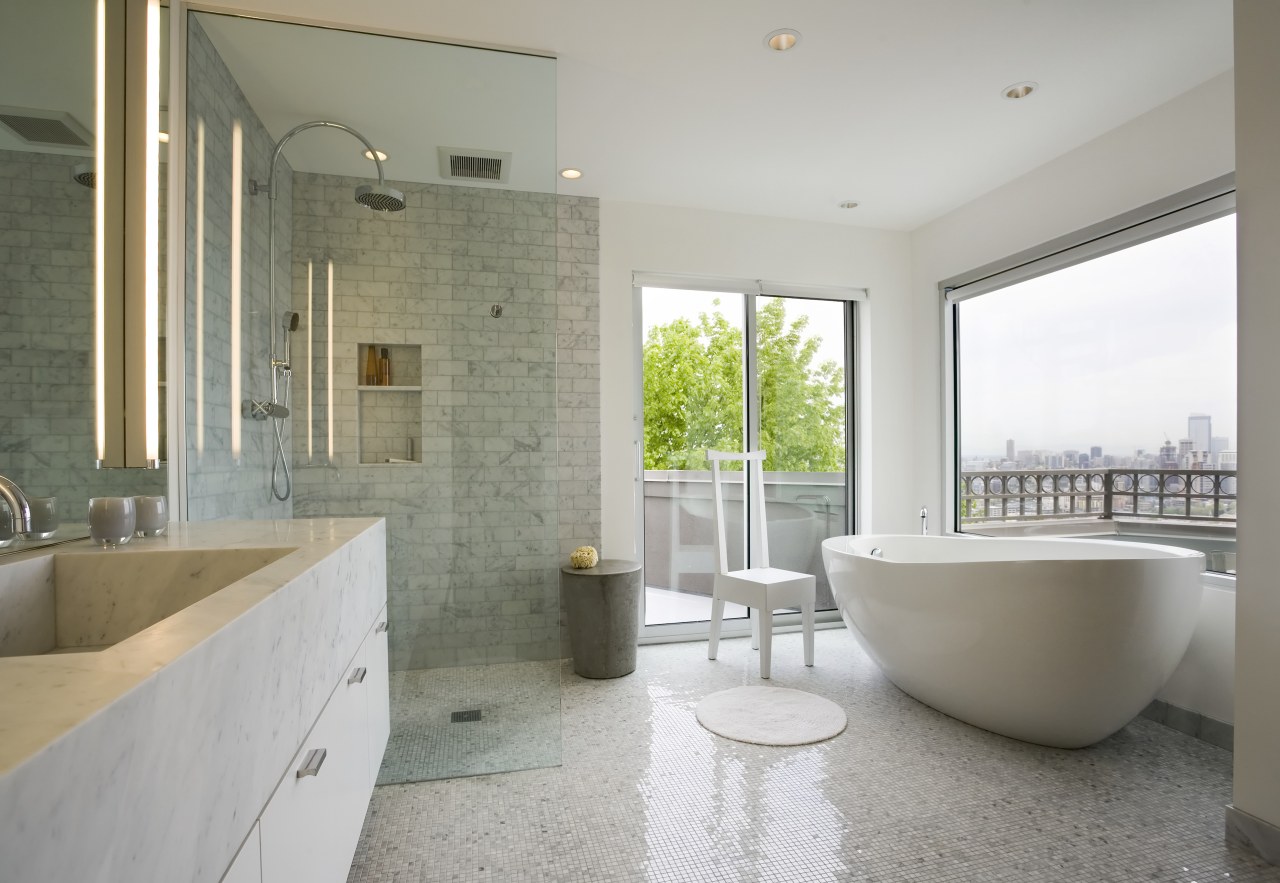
pixel 403 364
pixel 389 425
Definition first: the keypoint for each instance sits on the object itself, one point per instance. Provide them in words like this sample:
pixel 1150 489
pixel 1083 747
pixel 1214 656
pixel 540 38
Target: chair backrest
pixel 753 505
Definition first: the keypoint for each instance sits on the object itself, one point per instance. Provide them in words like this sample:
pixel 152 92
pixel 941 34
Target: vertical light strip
pixel 99 239
pixel 200 286
pixel 237 188
pixel 152 293
pixel 311 390
pixel 330 360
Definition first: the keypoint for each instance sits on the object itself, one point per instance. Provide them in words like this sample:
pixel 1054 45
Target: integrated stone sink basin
pixel 92 599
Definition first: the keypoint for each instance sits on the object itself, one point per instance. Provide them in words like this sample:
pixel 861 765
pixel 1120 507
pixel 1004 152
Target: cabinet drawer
pixel 378 694
pixel 312 823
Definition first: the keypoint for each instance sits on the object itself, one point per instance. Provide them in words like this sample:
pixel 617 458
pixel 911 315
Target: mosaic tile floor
pixel 518 729
pixel 904 794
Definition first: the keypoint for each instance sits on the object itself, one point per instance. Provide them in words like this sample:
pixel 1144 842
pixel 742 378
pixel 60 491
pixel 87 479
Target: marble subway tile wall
pixel 46 338
pixel 223 482
pixel 502 419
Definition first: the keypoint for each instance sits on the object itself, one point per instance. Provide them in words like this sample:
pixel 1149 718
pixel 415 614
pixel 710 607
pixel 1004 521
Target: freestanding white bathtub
pixel 1060 642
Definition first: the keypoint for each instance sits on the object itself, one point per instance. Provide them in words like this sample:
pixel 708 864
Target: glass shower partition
pixel 424 370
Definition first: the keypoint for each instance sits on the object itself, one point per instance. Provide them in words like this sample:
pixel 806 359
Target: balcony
pixel 1186 507
pixel 1192 508
pixel 803 509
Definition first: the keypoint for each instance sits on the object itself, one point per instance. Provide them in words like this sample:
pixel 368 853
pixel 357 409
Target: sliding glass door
pixel 738 371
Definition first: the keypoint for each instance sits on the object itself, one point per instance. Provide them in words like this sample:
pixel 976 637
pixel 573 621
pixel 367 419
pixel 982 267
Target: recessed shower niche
pixel 389 410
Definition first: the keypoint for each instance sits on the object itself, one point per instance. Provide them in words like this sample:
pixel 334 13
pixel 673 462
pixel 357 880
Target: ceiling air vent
pixel 458 164
pixel 45 128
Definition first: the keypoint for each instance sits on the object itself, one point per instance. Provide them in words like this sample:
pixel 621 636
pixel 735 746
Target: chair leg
pixel 755 630
pixel 806 615
pixel 713 639
pixel 766 641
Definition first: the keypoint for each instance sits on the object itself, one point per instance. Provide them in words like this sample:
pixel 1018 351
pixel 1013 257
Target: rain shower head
pixel 380 197
pixel 84 174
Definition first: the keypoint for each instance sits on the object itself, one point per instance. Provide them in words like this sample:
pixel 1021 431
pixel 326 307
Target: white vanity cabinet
pixel 310 827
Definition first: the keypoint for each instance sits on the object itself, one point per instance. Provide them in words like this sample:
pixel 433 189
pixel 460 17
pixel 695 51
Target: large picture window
pixel 1095 391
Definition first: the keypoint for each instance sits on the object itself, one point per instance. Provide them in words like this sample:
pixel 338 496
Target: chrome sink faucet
pixel 924 521
pixel 19 508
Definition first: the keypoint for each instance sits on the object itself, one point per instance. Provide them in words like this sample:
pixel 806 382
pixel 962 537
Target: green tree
pixel 693 377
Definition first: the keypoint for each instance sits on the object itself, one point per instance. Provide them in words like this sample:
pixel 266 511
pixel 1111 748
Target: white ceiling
pixel 892 103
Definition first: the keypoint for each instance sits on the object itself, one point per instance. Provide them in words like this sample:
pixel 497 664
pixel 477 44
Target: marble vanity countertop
pixel 43 698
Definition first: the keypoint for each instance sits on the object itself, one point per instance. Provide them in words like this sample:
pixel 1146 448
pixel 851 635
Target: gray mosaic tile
pixel 518 725
pixel 904 794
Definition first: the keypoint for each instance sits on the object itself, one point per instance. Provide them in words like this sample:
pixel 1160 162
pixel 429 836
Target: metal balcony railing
pixel 997 495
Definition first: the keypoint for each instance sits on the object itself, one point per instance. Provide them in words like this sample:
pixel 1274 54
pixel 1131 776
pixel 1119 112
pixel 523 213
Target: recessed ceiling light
pixel 1019 90
pixel 848 203
pixel 382 157
pixel 571 174
pixel 782 39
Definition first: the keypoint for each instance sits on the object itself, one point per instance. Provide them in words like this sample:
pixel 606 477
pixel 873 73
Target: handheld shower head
pixel 290 325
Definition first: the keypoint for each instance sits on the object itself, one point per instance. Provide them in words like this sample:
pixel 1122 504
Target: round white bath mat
pixel 771 716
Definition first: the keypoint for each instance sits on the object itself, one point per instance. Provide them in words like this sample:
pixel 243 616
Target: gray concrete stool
pixel 603 607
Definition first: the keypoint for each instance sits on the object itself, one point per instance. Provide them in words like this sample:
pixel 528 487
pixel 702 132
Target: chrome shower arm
pixel 302 127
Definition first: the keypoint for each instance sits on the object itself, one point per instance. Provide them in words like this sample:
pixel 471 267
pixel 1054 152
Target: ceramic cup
pixel 153 516
pixel 112 520
pixel 44 517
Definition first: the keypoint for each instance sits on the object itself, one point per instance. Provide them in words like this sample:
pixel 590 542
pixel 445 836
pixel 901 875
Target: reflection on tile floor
pixel 904 794
pixel 518 729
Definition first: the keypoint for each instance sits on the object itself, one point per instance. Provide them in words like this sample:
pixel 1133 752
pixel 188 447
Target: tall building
pixel 1009 451
pixel 1095 452
pixel 1168 455
pixel 1200 431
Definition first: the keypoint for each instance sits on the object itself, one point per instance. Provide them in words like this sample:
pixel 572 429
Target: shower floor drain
pixel 462 717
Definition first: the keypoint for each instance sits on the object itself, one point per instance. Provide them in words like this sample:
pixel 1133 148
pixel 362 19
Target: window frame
pixel 1188 208
pixel 855 300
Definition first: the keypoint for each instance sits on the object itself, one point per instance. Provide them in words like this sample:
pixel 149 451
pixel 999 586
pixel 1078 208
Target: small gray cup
pixel 44 517
pixel 112 520
pixel 152 516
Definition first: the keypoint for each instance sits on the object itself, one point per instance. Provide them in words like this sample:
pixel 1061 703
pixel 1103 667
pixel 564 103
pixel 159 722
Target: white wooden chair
pixel 760 587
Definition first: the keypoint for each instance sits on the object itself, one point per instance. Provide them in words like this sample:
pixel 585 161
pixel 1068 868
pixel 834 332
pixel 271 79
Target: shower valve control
pixel 255 410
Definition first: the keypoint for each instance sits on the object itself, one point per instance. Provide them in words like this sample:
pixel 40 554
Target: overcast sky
pixel 1115 352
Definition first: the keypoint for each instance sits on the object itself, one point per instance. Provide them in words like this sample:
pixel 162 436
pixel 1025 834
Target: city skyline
pixel 1147 450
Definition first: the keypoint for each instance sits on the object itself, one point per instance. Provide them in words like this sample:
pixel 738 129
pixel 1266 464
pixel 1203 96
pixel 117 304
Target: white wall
pixel 688 241
pixel 1204 680
pixel 1257 767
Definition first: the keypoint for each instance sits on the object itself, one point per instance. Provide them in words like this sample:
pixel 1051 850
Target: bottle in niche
pixel 384 368
pixel 371 367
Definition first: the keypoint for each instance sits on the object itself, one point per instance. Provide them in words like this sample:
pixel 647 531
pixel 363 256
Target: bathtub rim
pixel 1155 551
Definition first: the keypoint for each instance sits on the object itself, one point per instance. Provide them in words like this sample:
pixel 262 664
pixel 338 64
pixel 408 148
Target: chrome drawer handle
pixel 315 760
pixel 357 676
pixel 382 627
